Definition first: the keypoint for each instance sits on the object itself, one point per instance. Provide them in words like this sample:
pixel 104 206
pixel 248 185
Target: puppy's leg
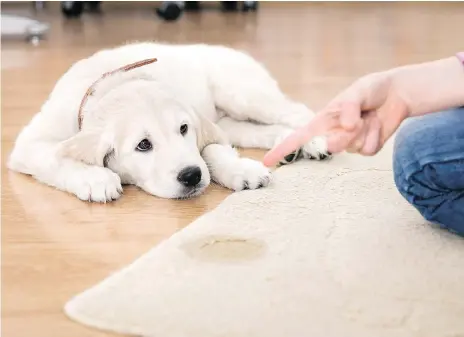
pixel 266 105
pixel 252 135
pixel 279 112
pixel 255 96
pixel 87 182
pixel 228 169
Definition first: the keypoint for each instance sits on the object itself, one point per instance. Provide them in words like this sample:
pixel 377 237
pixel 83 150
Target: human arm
pixel 364 116
pixel 432 86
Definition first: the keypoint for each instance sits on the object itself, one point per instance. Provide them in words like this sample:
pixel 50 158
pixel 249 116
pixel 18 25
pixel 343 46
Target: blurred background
pixel 53 245
pixel 312 48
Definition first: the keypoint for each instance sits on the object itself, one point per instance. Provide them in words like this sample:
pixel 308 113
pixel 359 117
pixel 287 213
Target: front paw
pixel 247 174
pixel 316 149
pixel 95 183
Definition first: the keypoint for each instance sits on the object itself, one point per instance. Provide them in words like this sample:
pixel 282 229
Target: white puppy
pixel 167 127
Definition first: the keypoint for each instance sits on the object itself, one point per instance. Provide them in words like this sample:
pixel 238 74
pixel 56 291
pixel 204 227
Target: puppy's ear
pixel 208 133
pixel 89 147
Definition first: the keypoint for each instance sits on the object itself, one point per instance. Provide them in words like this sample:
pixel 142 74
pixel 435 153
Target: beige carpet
pixel 329 250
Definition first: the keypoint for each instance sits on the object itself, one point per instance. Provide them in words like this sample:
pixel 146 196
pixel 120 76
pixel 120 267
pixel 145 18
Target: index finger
pixel 319 125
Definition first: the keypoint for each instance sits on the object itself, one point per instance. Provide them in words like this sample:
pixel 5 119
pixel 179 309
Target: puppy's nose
pixel 190 176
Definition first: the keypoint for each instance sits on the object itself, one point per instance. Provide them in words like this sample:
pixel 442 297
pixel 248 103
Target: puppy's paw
pixel 95 183
pixel 247 174
pixel 291 157
pixel 316 149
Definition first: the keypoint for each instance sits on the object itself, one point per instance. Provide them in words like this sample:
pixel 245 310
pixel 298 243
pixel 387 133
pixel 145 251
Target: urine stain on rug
pixel 224 248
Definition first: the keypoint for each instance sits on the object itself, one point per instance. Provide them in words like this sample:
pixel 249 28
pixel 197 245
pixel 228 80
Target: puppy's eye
pixel 184 129
pixel 144 145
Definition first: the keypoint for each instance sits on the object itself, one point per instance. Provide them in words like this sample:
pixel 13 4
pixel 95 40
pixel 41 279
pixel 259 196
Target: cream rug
pixel 329 250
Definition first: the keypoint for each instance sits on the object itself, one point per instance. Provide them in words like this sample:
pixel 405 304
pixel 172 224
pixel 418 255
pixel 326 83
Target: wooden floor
pixel 55 246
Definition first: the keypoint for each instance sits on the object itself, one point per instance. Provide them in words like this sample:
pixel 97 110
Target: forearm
pixel 430 87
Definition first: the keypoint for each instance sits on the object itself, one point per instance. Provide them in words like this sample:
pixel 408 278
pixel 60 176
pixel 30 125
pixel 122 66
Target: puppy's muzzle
pixel 190 176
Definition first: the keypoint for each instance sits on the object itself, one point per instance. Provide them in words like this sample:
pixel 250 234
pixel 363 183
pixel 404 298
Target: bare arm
pixel 431 86
pixel 367 113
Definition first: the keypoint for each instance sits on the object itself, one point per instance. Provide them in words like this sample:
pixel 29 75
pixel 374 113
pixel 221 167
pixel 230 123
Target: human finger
pixel 350 114
pixel 320 124
pixel 340 140
pixel 372 143
pixel 358 142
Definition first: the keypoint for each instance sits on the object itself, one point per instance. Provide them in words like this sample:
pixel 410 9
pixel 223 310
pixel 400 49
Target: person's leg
pixel 428 166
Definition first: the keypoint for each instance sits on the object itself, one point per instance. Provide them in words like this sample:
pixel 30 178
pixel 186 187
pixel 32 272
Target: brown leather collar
pixel 90 91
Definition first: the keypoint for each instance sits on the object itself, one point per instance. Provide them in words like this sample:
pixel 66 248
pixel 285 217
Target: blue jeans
pixel 428 166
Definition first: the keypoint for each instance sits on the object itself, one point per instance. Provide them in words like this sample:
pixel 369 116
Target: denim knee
pixel 428 165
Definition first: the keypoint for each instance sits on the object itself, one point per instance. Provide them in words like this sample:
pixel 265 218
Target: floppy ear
pixel 208 133
pixel 86 146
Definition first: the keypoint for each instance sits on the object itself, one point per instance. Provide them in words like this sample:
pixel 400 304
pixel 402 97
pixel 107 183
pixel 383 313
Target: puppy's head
pixel 142 133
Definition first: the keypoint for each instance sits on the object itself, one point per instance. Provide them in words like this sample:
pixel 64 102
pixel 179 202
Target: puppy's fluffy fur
pixel 191 106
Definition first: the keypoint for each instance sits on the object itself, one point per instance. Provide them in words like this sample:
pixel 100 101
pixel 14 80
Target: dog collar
pixel 91 90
